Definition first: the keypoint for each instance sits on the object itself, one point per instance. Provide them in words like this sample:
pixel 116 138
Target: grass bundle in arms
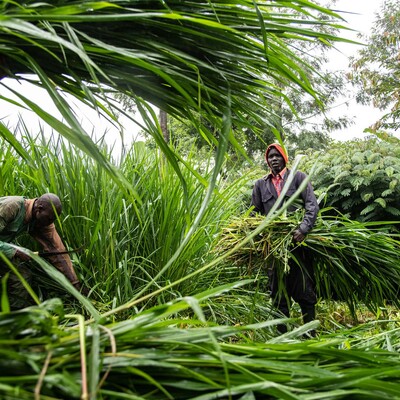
pixel 352 261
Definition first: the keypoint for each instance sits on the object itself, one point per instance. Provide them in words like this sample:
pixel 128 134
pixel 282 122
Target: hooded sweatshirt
pixel 280 149
pixel 265 195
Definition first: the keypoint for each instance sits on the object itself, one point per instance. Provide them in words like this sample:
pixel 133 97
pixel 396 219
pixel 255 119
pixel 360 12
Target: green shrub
pixel 359 178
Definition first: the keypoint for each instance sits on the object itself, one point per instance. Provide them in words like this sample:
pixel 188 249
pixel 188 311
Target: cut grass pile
pixel 353 262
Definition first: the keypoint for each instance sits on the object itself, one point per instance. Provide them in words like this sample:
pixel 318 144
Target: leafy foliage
pixel 181 56
pixel 359 178
pixel 376 68
pixel 188 58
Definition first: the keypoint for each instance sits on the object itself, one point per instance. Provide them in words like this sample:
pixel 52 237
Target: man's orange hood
pixel 280 149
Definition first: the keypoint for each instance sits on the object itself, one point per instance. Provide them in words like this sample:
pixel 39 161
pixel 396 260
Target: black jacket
pixel 264 197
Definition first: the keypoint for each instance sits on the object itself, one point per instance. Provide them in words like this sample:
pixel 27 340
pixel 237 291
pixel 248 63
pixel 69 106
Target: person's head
pixel 276 158
pixel 45 209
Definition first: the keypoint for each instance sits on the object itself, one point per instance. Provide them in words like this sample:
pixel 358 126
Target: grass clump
pixel 158 355
pixel 124 242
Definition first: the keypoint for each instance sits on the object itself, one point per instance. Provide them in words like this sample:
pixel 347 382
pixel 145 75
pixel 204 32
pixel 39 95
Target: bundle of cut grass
pixel 352 261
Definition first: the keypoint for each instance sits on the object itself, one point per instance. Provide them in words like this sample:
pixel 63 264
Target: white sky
pixel 360 15
pixel 90 120
pixel 360 18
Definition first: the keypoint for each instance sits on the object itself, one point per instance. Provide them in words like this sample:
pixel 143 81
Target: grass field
pixel 164 322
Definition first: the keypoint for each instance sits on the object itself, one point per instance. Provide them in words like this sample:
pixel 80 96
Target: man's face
pixel 44 215
pixel 275 160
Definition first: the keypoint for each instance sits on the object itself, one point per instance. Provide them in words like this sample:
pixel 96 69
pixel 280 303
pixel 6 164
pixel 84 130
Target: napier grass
pixel 352 261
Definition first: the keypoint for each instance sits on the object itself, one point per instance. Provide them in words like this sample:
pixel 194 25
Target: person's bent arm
pixel 8 213
pixel 311 212
pixel 51 242
pixel 311 209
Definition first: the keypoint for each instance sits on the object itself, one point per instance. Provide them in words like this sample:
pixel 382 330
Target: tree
pixel 163 118
pixel 376 69
pixel 359 178
pixel 304 120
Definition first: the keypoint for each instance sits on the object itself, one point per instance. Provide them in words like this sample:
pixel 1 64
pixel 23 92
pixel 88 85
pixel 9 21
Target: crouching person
pixel 35 216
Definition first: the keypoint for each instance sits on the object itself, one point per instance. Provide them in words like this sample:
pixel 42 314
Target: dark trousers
pixel 298 285
pixel 18 296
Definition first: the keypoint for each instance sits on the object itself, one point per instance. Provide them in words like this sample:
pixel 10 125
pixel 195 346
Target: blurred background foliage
pixel 375 68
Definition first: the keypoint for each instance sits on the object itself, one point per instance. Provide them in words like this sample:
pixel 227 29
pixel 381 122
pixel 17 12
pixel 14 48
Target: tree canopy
pixel 376 69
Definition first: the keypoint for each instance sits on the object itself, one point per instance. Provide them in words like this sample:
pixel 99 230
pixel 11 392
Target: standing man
pixel 298 282
pixel 35 216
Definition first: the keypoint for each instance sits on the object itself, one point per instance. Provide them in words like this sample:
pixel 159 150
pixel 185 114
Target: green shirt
pixel 12 214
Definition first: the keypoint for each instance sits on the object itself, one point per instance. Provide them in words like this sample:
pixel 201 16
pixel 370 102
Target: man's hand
pixel 298 236
pixel 81 288
pixel 21 256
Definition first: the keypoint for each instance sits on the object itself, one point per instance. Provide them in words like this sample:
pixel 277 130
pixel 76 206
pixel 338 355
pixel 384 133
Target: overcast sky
pixel 359 15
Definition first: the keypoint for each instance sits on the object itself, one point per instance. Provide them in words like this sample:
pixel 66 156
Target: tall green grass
pixel 207 337
pixel 157 354
pixel 124 243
